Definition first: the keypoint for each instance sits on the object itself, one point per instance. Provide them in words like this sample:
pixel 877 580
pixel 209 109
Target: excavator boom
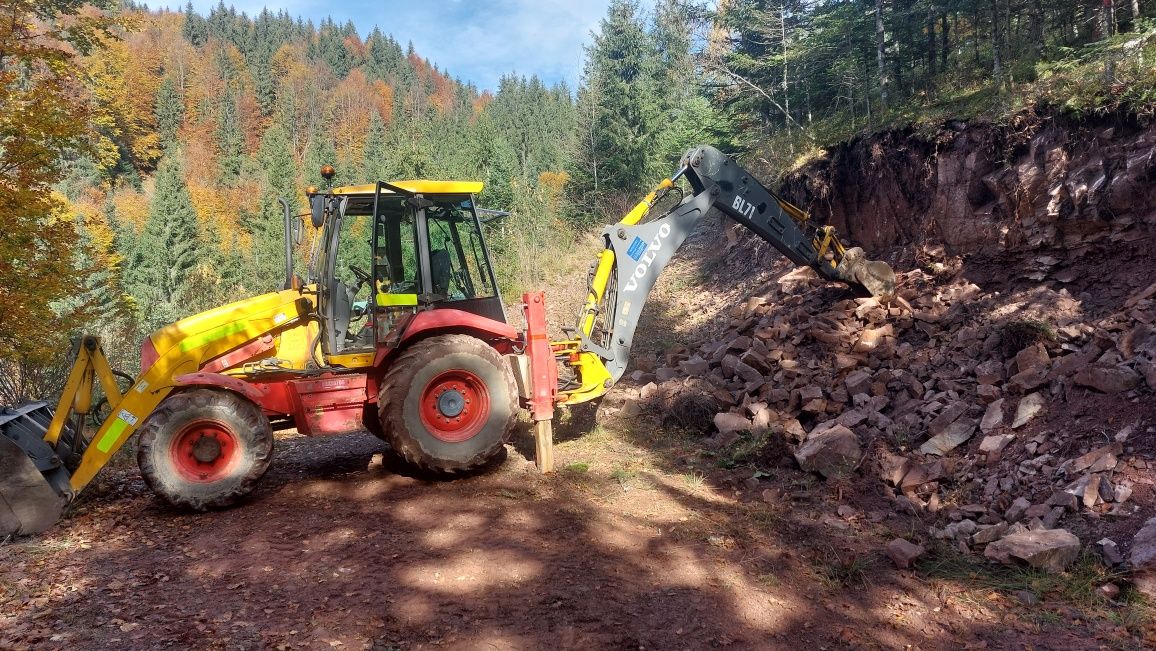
pixel 636 253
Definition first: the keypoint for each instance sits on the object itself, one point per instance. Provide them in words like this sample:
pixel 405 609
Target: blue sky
pixel 474 40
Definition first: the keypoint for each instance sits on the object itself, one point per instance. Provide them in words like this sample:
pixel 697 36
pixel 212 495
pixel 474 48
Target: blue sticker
pixel 637 248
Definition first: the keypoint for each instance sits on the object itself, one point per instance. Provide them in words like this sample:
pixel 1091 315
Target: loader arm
pixel 636 253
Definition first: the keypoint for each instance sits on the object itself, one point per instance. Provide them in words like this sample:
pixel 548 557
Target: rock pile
pixel 952 396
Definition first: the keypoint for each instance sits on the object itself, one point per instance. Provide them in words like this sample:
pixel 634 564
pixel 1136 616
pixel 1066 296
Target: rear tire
pixel 448 404
pixel 204 449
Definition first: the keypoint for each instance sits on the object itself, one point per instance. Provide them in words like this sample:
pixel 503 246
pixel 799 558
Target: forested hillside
pixel 143 151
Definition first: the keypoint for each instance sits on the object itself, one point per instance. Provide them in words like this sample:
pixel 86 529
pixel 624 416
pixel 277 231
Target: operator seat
pixel 439 271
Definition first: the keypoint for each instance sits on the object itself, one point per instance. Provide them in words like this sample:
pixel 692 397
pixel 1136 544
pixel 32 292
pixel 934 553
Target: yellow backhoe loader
pixel 399 329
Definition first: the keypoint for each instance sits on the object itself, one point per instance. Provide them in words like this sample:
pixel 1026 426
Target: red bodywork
pixel 336 403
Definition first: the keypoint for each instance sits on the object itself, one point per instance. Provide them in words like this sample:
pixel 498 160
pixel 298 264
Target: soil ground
pixel 644 539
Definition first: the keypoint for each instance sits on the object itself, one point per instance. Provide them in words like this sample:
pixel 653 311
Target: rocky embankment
pixel 1014 402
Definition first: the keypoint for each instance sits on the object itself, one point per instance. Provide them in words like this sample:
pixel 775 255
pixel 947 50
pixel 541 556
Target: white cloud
pixel 473 40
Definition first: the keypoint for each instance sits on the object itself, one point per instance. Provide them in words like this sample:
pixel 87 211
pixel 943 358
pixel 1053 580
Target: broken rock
pixel 903 553
pixel 952 437
pixel 727 422
pixel 1048 549
pixel 1030 406
pixel 1143 558
pixel 832 453
pixel 1107 378
pixel 993 417
pixel 992 444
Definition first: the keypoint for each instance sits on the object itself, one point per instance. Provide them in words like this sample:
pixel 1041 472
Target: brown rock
pixel 989 372
pixel 993 417
pixel 727 422
pixel 1098 460
pixel 946 417
pixel 1029 407
pixel 1032 357
pixel 952 437
pixel 1108 378
pixel 1049 549
pixel 835 452
pixel 858 382
pixel 1143 559
pixel 873 338
pixel 994 444
pixel 903 553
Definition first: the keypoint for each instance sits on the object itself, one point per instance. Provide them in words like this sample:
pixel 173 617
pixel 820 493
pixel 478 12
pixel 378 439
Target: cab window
pixel 458 267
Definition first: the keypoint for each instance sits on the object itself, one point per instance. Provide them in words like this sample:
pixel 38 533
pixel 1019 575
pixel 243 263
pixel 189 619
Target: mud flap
pixel 33 481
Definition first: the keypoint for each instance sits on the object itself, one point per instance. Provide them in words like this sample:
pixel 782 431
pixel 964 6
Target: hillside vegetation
pixel 143 151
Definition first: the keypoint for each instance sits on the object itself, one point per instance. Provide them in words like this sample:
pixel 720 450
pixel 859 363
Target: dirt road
pixel 639 543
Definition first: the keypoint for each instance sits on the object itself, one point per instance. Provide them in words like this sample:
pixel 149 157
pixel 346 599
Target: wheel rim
pixel 205 451
pixel 455 405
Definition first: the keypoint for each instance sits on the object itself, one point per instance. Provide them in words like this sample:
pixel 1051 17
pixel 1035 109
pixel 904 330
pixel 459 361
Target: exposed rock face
pixel 1052 550
pixel 831 453
pixel 1063 183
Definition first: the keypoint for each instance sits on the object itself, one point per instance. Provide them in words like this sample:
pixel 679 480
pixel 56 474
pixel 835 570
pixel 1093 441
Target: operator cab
pixel 421 248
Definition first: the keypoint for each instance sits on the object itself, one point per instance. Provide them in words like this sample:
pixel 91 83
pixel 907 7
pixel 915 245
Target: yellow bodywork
pixel 181 348
pixel 418 186
pixel 594 377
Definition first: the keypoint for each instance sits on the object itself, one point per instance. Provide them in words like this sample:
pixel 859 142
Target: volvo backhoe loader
pixel 399 329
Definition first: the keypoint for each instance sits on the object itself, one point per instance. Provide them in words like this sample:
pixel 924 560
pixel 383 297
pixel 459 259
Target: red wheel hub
pixel 455 405
pixel 205 451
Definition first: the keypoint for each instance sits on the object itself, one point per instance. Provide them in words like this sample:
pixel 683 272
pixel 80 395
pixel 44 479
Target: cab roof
pixel 419 186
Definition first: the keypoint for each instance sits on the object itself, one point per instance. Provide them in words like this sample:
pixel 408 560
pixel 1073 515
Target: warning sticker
pixel 637 248
pixel 127 417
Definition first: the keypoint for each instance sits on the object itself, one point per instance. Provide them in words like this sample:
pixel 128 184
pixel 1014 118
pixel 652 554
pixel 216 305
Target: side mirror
pixel 298 226
pixel 317 210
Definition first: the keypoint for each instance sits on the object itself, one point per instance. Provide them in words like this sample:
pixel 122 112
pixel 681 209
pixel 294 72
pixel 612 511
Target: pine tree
pixel 167 251
pixel 268 231
pixel 170 111
pixel 195 30
pixel 230 140
pixel 619 84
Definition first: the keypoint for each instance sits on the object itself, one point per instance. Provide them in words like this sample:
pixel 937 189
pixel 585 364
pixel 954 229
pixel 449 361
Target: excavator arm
pixel 637 251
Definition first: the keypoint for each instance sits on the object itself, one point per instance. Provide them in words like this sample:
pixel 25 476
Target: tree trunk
pixel 1037 28
pixel 786 85
pixel 943 46
pixel 1135 9
pixel 931 55
pixel 996 68
pixel 880 48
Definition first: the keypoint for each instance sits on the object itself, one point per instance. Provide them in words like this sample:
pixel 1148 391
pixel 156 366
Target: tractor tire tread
pixel 396 382
pixel 247 415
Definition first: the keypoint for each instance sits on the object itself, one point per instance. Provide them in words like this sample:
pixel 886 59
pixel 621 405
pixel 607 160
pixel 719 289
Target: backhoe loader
pixel 398 329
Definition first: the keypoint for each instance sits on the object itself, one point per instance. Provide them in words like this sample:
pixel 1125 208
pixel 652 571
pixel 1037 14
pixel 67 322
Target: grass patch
pixel 1078 587
pixel 578 466
pixel 1021 333
pixel 835 569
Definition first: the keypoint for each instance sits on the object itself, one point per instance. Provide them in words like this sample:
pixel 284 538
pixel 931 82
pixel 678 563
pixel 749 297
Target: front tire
pixel 448 404
pixel 204 449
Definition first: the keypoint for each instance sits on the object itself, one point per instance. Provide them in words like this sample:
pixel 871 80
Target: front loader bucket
pixel 33 481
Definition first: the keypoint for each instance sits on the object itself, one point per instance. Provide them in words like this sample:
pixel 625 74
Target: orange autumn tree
pixel 45 116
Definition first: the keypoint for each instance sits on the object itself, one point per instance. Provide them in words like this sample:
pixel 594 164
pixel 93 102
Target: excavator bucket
pixel 874 276
pixel 33 481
